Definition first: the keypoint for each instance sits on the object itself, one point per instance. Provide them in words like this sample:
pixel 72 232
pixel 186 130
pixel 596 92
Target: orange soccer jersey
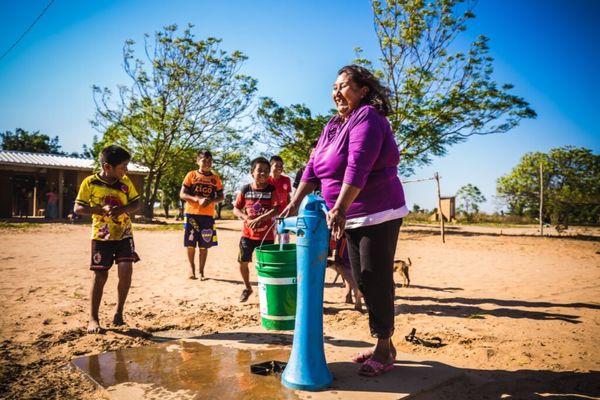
pixel 202 184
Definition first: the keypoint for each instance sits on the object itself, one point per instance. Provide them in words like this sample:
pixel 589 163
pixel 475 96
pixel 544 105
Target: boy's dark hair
pixel 276 158
pixel 259 160
pixel 204 153
pixel 114 155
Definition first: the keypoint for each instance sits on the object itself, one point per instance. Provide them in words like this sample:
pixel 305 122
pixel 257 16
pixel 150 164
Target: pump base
pixel 308 387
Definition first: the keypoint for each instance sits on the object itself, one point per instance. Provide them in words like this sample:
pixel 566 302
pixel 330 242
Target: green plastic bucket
pixel 277 285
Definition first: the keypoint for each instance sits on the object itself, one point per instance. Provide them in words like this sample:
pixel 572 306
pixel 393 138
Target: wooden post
pixel 440 213
pixel 61 192
pixel 541 200
pixel 35 183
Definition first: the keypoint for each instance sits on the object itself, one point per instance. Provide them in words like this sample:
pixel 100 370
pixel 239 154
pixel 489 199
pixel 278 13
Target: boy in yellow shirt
pixel 201 190
pixel 109 197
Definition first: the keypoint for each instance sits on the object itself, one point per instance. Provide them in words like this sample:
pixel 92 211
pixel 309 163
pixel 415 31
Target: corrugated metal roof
pixel 44 160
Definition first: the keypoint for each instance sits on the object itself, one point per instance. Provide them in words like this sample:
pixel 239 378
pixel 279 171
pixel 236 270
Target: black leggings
pixel 371 250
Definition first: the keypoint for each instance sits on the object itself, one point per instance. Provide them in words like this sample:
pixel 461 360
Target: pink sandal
pixel 360 358
pixel 374 368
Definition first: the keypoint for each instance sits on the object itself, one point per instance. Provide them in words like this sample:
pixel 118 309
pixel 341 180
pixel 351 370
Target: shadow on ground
pixel 462 311
pixel 409 377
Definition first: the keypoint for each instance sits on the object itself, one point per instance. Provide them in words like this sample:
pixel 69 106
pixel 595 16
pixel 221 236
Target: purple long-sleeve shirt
pixel 361 152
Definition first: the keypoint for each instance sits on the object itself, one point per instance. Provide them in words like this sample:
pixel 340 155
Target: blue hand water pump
pixel 307 369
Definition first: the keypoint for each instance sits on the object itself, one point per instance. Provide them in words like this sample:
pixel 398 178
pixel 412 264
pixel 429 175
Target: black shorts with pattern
pixel 106 252
pixel 199 231
pixel 247 247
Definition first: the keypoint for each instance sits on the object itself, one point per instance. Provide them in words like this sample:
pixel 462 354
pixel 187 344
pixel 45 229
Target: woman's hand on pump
pixel 336 222
pixel 290 210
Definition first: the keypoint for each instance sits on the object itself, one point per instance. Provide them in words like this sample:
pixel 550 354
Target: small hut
pixel 26 178
pixel 448 209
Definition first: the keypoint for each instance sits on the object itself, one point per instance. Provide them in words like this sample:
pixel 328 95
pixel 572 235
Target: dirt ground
pixel 520 315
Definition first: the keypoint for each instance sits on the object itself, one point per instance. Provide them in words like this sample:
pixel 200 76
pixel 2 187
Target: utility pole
pixel 541 199
pixel 440 213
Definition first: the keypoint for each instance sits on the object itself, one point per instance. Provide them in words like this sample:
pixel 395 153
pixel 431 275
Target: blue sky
pixel 549 49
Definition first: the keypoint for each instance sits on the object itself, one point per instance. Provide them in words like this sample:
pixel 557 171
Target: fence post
pixel 441 214
pixel 541 199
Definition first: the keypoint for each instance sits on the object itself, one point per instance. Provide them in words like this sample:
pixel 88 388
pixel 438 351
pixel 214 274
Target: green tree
pixel 291 129
pixel 571 179
pixel 173 176
pixel 190 95
pixel 35 142
pixel 438 97
pixel 469 198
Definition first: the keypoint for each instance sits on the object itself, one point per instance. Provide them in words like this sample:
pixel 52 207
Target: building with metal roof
pixel 28 179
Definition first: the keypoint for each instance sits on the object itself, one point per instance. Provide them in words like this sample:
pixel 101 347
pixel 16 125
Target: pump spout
pixel 286 225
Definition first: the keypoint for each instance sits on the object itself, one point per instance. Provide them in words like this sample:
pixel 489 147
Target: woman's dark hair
pixel 377 96
pixel 114 155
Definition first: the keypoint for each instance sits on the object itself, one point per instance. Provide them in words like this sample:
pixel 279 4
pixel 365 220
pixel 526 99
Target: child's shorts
pixel 199 231
pixel 247 247
pixel 106 252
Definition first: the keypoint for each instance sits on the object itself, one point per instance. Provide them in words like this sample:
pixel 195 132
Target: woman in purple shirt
pixel 355 161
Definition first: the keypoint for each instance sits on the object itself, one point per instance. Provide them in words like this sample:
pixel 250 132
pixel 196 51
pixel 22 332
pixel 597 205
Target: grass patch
pixel 158 227
pixel 18 225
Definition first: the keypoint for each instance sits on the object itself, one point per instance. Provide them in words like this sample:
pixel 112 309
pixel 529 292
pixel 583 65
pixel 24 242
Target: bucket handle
pixel 265 236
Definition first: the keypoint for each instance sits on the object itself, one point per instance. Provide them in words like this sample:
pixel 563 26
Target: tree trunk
pixel 148 202
pixel 166 208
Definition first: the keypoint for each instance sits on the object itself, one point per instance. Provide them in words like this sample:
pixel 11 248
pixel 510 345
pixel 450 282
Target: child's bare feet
pixel 192 277
pixel 203 278
pixel 118 319
pixel 245 294
pixel 358 306
pixel 94 327
pixel 349 298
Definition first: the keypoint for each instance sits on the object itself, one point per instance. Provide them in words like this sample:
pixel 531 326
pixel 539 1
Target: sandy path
pixel 519 315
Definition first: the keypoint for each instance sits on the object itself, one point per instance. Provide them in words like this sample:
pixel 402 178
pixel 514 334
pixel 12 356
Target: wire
pixel 419 180
pixel 26 31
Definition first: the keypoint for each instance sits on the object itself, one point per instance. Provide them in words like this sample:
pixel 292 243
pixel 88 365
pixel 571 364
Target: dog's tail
pixel 409 262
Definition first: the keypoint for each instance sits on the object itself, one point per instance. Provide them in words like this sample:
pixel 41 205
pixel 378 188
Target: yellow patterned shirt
pixel 97 191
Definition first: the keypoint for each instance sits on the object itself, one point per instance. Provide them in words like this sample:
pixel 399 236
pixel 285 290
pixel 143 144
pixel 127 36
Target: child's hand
pixel 289 211
pixel 106 209
pixel 115 211
pixel 253 223
pixel 203 201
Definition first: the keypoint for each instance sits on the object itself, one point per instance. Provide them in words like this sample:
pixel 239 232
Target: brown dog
pixel 337 268
pixel 348 282
pixel 402 267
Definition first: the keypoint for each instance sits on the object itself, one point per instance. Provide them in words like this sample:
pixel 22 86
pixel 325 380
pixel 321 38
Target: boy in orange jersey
pixel 201 190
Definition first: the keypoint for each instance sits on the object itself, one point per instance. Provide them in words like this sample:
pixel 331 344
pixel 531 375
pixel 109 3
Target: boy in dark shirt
pixel 257 204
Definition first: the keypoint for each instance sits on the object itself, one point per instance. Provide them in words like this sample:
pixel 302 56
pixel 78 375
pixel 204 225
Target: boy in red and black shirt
pixel 257 204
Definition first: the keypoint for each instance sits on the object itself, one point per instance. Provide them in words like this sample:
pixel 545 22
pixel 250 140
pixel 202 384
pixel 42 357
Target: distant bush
pixel 475 218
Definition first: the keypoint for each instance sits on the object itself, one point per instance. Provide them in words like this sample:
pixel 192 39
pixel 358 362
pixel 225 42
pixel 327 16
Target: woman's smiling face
pixel 346 94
